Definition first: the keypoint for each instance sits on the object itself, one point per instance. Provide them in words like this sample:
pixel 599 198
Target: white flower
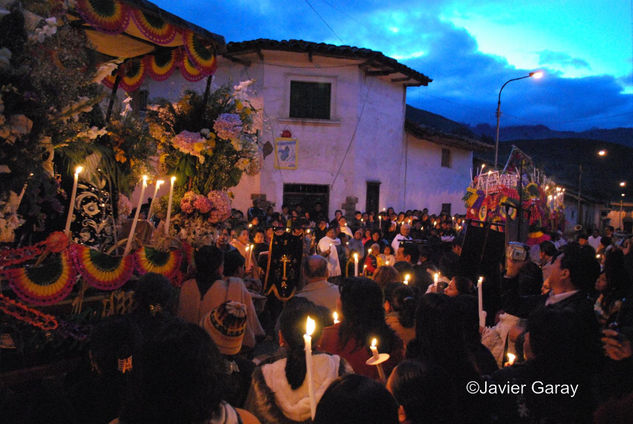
pixel 106 69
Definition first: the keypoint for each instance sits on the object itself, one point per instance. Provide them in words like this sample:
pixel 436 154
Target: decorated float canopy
pixel 139 39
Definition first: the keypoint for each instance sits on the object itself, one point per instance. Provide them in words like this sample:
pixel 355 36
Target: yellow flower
pixel 119 155
pixel 199 146
pixel 163 158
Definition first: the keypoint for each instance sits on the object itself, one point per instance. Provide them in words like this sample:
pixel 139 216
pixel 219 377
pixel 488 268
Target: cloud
pixel 560 59
pixel 466 82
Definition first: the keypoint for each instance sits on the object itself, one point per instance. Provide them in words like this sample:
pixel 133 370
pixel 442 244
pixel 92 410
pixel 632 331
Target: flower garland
pixel 100 270
pixel 46 284
pixel 23 313
pixel 168 263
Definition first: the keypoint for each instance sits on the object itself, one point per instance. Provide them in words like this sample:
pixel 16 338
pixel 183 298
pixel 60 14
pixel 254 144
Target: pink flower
pixel 203 204
pixel 189 142
pixel 228 126
pixel 187 202
pixel 221 205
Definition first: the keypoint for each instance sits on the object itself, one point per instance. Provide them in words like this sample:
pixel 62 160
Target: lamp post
pixel 537 75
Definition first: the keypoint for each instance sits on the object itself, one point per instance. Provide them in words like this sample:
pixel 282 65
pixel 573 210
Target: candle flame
pixel 436 276
pixel 173 179
pixel 79 169
pixel 356 256
pixel 511 358
pixel 374 342
pixel 310 326
pixel 159 183
pixel 407 277
pixel 369 251
pixel 335 316
pixel 481 279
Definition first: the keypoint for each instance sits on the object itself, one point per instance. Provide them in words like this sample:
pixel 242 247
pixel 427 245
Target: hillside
pixel 622 136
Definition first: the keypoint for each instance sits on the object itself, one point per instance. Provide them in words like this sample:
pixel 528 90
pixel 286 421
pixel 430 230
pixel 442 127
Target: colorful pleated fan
pixel 133 74
pixel 202 57
pixel 100 270
pixel 149 259
pixel 189 70
pixel 154 27
pixel 46 284
pixel 162 64
pixel 110 16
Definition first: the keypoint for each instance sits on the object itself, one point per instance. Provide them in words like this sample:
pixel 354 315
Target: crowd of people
pixel 556 347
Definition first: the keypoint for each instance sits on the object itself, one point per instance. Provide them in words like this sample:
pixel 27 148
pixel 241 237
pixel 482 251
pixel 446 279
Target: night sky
pixel 469 48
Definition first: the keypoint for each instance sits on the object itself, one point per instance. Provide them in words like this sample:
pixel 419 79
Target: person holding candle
pixel 371 260
pixel 279 390
pixel 400 304
pixel 363 320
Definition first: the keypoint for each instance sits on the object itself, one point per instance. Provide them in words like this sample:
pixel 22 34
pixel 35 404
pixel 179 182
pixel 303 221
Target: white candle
pixel 355 264
pixel 171 197
pixel 436 278
pixel 73 195
pixel 376 356
pixel 480 302
pixel 307 338
pixel 335 317
pixel 151 205
pixel 130 236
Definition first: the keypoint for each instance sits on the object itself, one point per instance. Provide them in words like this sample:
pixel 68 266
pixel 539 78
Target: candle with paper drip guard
pixel 307 338
pixel 480 302
pixel 335 317
pixel 73 195
pixel 130 237
pixel 377 359
pixel 171 197
pixel 151 205
pixel 355 264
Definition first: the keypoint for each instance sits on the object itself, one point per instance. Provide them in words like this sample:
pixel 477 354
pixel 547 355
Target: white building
pixel 345 107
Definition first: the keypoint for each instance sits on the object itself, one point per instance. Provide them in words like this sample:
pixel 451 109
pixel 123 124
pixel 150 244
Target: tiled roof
pixel 439 137
pixel 376 63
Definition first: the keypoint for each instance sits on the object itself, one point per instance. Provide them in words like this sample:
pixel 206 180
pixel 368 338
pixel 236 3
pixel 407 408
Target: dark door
pixel 307 195
pixel 373 196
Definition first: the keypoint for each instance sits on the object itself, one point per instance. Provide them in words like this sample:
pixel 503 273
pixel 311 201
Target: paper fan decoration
pixel 149 259
pixel 100 270
pixel 189 70
pixel 110 16
pixel 46 284
pixel 202 56
pixel 132 75
pixel 162 64
pixel 154 27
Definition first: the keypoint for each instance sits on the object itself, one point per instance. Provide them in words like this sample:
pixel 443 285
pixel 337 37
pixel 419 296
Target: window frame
pixel 332 80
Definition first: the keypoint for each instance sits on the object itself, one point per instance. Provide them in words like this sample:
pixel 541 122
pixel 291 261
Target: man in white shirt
pixel 405 229
pixel 327 248
pixel 318 290
pixel 594 239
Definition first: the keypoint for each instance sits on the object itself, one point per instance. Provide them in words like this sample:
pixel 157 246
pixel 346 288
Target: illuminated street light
pixel 622 183
pixel 602 152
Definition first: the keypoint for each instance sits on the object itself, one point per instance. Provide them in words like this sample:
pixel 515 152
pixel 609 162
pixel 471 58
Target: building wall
pixel 428 183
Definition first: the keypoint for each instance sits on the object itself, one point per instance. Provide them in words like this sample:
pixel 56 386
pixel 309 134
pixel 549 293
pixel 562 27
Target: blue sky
pixel 469 48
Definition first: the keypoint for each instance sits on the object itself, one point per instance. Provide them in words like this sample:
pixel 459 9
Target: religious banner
pixel 284 265
pixel 286 153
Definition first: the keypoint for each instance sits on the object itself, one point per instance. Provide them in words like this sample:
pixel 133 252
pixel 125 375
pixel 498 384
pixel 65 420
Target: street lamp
pixel 622 183
pixel 537 75
pixel 602 152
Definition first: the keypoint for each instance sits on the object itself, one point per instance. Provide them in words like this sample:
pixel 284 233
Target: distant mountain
pixel 622 136
pixel 428 119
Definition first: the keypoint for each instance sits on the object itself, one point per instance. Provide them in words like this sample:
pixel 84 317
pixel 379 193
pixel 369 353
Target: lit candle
pixel 511 358
pixel 436 278
pixel 130 236
pixel 307 338
pixel 407 277
pixel 480 302
pixel 248 256
pixel 355 264
pixel 171 197
pixel 73 195
pixel 364 269
pixel 151 205
pixel 376 358
pixel 335 317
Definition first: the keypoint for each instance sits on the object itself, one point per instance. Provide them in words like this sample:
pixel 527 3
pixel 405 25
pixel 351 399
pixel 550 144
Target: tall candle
pixel 130 236
pixel 73 195
pixel 376 356
pixel 355 264
pixel 171 197
pixel 480 302
pixel 151 205
pixel 307 338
